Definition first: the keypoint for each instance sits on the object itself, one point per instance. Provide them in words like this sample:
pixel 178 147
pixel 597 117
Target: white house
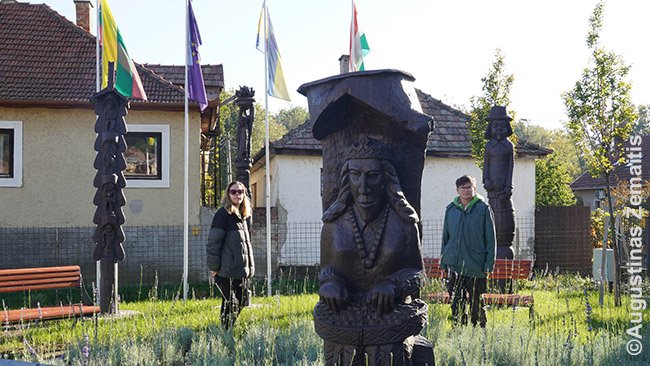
pixel 295 175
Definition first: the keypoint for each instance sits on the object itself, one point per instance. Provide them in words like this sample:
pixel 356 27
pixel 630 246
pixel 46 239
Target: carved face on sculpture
pixel 367 187
pixel 109 236
pixel 500 129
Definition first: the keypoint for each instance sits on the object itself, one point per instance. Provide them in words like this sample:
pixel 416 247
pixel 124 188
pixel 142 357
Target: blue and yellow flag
pixel 269 47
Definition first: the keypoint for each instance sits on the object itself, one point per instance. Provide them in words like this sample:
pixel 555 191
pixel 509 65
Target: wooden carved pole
pixel 110 126
pixel 498 166
pixel 246 103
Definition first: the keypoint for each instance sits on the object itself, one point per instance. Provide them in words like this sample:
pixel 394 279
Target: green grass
pixel 278 330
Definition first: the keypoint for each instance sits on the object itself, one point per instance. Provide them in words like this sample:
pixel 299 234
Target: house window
pixel 143 155
pixel 147 156
pixel 6 153
pixel 11 154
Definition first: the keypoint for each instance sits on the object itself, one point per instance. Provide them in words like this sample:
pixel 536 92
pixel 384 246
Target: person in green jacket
pixel 468 250
pixel 229 252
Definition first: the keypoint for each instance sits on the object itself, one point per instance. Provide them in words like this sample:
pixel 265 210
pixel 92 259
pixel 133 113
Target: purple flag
pixel 196 86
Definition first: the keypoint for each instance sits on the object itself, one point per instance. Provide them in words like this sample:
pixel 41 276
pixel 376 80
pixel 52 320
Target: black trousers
pixel 463 289
pixel 232 293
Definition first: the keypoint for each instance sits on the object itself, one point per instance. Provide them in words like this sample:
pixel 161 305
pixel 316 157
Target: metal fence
pixel 157 251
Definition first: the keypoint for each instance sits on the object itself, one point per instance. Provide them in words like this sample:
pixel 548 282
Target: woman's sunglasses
pixel 237 191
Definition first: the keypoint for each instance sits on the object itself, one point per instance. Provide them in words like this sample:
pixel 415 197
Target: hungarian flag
pixel 358 43
pixel 127 80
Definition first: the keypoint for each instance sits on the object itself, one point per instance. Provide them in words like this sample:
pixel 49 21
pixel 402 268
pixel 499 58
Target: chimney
pixel 344 63
pixel 84 12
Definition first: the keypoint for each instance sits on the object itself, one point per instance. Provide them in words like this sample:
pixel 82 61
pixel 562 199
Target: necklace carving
pixel 368 251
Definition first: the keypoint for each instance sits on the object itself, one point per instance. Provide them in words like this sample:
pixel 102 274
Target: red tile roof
pixel 621 172
pixel 212 76
pixel 45 58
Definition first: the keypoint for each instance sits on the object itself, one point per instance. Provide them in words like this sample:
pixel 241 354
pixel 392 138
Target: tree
pixel 276 130
pixel 601 115
pixel 556 139
pixel 552 181
pixel 229 116
pixel 496 91
pixel 222 159
pixel 292 117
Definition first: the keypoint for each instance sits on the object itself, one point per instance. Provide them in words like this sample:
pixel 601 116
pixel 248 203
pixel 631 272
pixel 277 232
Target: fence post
pixel 58 246
pixel 601 295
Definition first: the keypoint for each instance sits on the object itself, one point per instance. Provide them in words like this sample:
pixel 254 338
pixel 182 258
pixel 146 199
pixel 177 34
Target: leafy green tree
pixel 496 91
pixel 276 130
pixel 601 115
pixel 552 181
pixel 292 117
pixel 224 149
pixel 229 117
pixel 556 139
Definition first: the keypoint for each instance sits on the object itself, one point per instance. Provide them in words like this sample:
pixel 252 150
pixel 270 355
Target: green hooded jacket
pixel 469 238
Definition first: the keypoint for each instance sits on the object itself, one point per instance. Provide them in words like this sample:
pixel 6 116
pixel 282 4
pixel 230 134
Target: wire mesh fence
pixel 157 251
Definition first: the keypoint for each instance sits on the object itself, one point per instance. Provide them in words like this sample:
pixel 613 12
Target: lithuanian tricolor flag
pixel 127 80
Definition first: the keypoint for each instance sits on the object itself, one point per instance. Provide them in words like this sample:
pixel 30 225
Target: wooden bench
pixel 504 269
pixel 42 278
pixel 511 270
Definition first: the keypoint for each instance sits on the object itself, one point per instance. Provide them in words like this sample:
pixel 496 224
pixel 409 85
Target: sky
pixel 448 46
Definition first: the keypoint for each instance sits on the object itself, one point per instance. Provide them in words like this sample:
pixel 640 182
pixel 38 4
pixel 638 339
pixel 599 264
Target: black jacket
pixel 229 250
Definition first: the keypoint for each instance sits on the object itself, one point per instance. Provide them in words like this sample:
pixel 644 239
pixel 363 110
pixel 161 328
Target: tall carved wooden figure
pixel 374 138
pixel 110 107
pixel 497 177
pixel 246 103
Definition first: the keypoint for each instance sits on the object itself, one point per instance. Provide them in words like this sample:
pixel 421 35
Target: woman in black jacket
pixel 229 252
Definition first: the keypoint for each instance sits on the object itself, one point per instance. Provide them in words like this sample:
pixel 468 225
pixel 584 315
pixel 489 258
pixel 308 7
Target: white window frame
pixel 17 179
pixel 163 182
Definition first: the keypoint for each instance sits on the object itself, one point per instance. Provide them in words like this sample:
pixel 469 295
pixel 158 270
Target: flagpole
pixel 186 164
pixel 267 182
pixel 98 85
pixel 352 63
pixel 97 31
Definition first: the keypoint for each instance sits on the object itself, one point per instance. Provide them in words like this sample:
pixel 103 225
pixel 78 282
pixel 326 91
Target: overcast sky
pixel 448 46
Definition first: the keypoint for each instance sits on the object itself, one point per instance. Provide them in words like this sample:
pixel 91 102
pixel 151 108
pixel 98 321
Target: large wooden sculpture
pixel 110 107
pixel 498 164
pixel 374 139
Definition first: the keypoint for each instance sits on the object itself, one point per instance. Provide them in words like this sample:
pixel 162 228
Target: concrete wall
pixel 296 185
pixel 258 177
pixel 589 199
pixel 440 174
pixel 58 171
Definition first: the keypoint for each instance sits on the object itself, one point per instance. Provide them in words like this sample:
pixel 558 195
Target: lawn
pixel 569 328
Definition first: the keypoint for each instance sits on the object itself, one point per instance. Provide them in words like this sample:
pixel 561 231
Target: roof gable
pixel 450 136
pixel 212 76
pixel 620 173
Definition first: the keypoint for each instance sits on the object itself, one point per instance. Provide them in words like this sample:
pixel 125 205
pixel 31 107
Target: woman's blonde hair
pixel 245 206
